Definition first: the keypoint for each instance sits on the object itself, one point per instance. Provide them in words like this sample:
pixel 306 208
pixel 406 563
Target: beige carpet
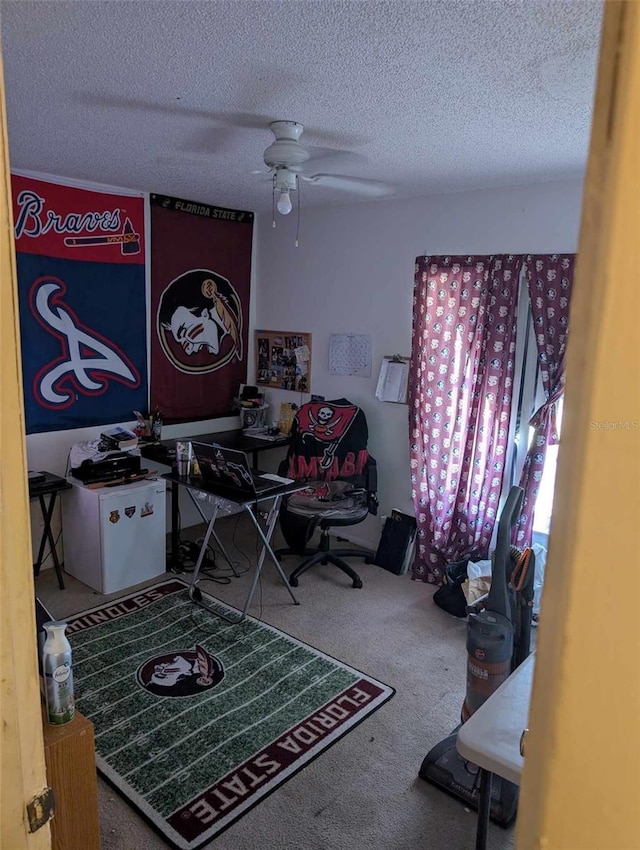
pixel 364 792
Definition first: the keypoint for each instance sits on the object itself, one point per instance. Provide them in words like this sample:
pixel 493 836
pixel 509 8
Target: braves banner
pixel 200 280
pixel 81 289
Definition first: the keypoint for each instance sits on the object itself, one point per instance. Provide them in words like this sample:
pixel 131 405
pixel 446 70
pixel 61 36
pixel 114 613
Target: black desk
pixel 51 486
pixel 164 452
pixel 249 504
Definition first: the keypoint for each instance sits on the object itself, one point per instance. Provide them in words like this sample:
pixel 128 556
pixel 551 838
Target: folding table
pixel 50 486
pixel 490 738
pixel 164 452
pixel 249 504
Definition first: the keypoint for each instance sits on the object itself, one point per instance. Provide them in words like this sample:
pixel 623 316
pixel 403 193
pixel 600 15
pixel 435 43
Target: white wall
pixel 353 272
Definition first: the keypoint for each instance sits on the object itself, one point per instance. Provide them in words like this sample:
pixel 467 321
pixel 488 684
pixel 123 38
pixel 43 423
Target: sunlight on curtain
pixel 460 386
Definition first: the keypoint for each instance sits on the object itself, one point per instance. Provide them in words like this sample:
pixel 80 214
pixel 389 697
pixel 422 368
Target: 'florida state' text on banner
pixel 200 279
pixel 81 288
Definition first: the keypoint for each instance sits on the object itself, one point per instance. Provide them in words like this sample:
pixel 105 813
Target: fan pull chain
pixel 298 221
pixel 273 201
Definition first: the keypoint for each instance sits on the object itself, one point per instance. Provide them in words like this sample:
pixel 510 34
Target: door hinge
pixel 40 809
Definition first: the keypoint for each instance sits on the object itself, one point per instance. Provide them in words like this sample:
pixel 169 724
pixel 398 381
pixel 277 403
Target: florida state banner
pixel 200 279
pixel 81 289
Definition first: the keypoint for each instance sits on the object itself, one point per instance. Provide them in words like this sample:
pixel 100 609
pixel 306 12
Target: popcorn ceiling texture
pixel 176 97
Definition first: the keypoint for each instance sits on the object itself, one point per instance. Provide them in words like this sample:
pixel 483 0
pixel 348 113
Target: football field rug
pixel 196 720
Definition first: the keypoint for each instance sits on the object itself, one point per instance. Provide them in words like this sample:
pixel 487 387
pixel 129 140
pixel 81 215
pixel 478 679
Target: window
pixel 527 399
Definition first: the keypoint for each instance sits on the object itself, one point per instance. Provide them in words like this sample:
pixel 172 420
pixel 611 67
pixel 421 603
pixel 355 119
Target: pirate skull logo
pixel 325 422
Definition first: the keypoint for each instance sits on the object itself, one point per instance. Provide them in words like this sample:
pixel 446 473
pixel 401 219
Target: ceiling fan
pixel 289 161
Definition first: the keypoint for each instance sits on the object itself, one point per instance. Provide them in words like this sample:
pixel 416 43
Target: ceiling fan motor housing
pixel 286 150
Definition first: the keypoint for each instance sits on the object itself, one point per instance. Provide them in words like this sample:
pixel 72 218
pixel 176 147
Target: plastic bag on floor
pixel 478 580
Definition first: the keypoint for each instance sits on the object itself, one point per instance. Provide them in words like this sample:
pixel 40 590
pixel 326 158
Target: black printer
pixel 116 465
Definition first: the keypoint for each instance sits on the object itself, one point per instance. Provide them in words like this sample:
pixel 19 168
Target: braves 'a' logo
pixel 88 361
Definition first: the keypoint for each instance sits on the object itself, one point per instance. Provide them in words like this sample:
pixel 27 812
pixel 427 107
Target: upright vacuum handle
pixel 498 599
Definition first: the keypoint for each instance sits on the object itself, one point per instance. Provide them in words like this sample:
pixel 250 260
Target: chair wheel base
pixel 324 557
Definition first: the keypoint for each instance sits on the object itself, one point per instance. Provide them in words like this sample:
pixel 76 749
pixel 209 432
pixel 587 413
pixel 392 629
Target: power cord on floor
pixel 239 548
pixel 214 568
pixel 188 553
pixel 187 557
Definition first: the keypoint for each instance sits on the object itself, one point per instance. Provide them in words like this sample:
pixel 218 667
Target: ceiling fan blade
pixel 333 159
pixel 360 185
pixel 263 175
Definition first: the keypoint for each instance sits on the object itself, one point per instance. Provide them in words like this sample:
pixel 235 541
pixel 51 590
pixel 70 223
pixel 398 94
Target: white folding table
pixel 490 738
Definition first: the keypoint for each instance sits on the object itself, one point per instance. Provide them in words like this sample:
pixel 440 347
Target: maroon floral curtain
pixel 460 385
pixel 550 280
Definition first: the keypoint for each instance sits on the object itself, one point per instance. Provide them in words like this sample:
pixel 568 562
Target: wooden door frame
pixel 22 764
pixel 581 781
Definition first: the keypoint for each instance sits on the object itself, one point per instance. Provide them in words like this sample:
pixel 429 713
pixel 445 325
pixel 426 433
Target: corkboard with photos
pixel 283 360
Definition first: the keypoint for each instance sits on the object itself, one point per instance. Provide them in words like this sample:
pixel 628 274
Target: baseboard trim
pixel 362 542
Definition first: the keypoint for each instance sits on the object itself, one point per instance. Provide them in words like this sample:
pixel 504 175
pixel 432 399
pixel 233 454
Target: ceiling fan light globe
pixel 284 205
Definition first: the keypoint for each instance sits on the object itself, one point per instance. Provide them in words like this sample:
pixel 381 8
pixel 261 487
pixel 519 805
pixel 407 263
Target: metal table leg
pixel 484 808
pixel 195 593
pixel 223 551
pixel 47 536
pixel 173 559
pixel 266 547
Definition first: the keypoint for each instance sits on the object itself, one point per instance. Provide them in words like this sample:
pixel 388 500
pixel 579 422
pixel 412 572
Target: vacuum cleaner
pixel 498 641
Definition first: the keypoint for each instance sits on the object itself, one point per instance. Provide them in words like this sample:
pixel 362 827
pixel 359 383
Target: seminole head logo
pixel 183 673
pixel 199 322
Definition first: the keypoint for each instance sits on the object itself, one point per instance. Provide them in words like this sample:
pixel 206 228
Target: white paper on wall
pixel 393 380
pixel 350 354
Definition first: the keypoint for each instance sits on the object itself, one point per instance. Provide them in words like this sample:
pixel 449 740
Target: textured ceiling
pixel 176 97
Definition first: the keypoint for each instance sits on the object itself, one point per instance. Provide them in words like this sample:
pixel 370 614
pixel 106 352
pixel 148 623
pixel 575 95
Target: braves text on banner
pixel 200 279
pixel 81 289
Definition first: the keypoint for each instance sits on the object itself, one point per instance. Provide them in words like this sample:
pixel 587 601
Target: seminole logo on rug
pixel 250 707
pixel 180 674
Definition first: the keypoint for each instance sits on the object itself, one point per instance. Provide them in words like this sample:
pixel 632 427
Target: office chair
pixel 328 449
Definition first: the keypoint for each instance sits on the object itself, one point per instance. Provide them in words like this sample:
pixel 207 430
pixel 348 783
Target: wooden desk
pixel 491 737
pixel 165 452
pixel 71 772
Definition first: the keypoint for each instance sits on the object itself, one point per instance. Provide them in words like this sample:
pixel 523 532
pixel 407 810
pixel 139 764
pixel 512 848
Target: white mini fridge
pixel 114 537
